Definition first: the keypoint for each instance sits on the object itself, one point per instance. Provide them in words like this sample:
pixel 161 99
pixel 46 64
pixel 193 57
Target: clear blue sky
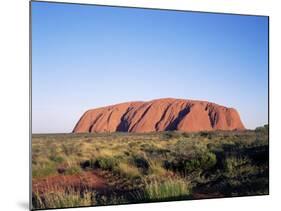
pixel 90 56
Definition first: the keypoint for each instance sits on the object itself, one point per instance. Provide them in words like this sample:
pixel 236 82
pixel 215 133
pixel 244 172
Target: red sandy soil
pixel 86 180
pixel 160 115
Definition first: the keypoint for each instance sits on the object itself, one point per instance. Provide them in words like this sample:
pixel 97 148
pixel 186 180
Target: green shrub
pixel 202 161
pixel 88 164
pixel 105 163
pixel 263 129
pixel 239 166
pixel 231 163
pixel 198 161
pixel 141 162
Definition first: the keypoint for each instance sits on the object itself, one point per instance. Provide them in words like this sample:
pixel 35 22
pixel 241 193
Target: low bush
pixel 141 162
pixel 198 161
pixel 106 163
pixel 263 129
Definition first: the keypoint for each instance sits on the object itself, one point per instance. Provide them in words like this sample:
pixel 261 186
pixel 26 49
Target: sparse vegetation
pixel 147 167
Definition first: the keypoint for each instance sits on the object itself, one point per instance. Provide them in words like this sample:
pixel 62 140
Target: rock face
pixel 160 115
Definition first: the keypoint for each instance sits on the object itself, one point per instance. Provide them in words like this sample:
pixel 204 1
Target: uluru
pixel 166 114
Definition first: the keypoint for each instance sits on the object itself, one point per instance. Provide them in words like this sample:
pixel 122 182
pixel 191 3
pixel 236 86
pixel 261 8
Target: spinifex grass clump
pixel 63 198
pixel 166 188
pixel 128 170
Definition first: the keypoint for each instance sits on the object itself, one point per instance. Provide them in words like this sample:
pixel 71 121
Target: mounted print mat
pixel 137 105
